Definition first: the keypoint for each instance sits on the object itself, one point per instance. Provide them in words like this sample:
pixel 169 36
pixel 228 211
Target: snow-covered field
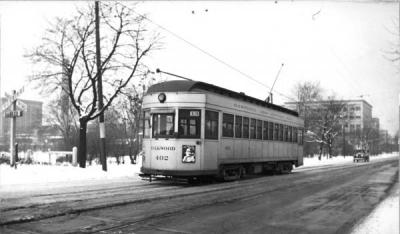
pixel 42 174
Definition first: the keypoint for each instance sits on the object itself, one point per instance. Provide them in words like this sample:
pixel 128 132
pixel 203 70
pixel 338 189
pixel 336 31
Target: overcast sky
pixel 340 44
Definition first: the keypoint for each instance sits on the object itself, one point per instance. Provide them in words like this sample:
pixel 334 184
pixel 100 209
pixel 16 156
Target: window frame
pixel 253 123
pixel 231 133
pixel 276 132
pixel 186 116
pixel 238 126
pixel 259 125
pixel 280 134
pixel 172 135
pixel 206 132
pixel 246 133
pixel 271 131
pixel 294 140
pixel 147 116
pixel 265 130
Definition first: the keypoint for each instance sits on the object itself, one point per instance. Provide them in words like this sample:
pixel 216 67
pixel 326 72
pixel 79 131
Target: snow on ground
pixel 384 219
pixel 30 177
pixel 42 174
pixel 337 160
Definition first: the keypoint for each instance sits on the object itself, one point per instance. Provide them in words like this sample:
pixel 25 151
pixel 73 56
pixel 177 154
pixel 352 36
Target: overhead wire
pixel 212 56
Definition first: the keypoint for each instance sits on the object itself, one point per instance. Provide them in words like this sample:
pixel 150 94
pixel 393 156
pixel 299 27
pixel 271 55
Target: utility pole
pixel 103 153
pixel 12 133
pixel 344 140
pixel 1 104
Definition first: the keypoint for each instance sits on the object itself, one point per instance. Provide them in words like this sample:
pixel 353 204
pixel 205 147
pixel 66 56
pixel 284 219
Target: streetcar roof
pixel 187 86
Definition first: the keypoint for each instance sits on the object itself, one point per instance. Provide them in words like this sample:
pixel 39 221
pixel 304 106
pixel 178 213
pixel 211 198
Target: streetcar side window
pixel 294 135
pixel 265 131
pixel 252 129
pixel 285 133
pixel 245 127
pixel 227 125
pixel 281 132
pixel 276 130
pixel 146 124
pixel 189 123
pixel 259 129
pixel 300 136
pixel 238 126
pixel 270 131
pixel 211 131
pixel 290 134
pixel 163 125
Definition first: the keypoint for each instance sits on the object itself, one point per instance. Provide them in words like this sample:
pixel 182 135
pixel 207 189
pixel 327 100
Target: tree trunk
pixel 321 148
pixel 330 148
pixel 82 143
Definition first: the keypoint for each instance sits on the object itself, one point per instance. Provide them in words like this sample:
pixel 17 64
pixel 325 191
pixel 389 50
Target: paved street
pixel 328 199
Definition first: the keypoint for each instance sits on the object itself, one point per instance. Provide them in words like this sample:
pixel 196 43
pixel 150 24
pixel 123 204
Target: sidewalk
pixel 384 219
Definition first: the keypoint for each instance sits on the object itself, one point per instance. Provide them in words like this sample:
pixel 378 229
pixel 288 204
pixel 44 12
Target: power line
pixel 210 55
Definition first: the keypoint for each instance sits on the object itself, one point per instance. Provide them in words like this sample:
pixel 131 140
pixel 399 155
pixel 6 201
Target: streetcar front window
pixel 189 123
pixel 146 125
pixel 163 125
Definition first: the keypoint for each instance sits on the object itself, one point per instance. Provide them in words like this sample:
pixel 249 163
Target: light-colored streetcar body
pixel 194 129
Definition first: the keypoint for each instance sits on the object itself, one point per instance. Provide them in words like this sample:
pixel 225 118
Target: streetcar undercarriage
pixel 226 172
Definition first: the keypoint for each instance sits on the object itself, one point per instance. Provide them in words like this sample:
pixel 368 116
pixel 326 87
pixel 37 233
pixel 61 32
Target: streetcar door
pixel 211 140
pixel 189 137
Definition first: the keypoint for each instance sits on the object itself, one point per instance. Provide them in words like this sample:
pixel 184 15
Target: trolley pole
pixel 103 153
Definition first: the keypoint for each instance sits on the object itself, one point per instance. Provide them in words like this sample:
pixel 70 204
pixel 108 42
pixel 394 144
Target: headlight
pixel 162 97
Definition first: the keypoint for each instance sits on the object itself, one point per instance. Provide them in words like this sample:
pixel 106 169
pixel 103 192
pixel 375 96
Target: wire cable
pixel 212 56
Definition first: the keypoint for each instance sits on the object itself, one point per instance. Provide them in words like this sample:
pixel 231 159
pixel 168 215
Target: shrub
pixel 4 159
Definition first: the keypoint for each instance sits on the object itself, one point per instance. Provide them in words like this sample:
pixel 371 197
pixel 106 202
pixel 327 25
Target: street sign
pixel 13 114
pixel 6 105
pixel 12 98
pixel 22 105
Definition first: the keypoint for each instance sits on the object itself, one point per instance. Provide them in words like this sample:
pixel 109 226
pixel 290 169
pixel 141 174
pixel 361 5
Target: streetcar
pixel 198 130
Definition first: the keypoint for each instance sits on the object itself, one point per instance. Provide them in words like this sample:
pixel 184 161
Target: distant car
pixel 361 155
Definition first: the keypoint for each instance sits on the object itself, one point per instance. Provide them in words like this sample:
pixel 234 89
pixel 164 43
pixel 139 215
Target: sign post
pixel 13 114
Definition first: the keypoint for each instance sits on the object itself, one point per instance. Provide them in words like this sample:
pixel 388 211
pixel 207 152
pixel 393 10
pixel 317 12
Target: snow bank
pixel 337 160
pixel 383 220
pixel 37 173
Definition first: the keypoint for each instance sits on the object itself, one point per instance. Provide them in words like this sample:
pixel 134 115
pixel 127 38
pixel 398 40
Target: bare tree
pixel 129 107
pixel 325 123
pixel 393 53
pixel 65 119
pixel 68 50
pixel 307 93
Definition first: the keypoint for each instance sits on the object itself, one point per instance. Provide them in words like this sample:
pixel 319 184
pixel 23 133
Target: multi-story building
pixel 30 121
pixel 357 114
pixel 375 123
pixel 356 121
pixel 384 137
